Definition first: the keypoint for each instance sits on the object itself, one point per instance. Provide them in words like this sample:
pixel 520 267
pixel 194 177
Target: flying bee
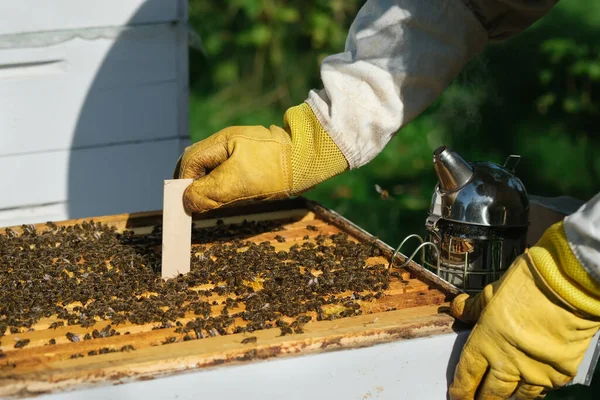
pixel 383 193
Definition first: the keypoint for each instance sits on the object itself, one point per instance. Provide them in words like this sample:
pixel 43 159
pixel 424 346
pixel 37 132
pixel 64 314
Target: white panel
pixel 45 15
pixel 94 181
pixel 34 215
pixel 83 93
pixel 417 369
pixel 182 59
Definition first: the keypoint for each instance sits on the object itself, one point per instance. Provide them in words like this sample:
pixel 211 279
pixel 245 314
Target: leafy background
pixel 536 95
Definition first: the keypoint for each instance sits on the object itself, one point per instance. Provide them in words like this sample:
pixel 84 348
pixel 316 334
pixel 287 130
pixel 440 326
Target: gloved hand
pixel 533 325
pixel 255 163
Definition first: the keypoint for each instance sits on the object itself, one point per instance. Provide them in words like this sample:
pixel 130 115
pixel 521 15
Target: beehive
pixel 402 304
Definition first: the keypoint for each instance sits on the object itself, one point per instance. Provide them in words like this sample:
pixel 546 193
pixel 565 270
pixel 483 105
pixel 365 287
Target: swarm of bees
pixel 91 275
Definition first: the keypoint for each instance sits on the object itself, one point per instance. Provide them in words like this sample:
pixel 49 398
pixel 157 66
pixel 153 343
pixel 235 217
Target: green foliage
pixel 266 51
pixel 571 78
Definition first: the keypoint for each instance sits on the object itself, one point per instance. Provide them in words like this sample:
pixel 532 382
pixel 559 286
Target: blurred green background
pixel 536 95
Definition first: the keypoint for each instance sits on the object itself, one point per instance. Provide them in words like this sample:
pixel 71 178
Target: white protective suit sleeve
pixel 400 56
pixel 583 232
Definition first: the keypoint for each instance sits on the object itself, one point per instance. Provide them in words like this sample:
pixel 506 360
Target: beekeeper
pixel 534 325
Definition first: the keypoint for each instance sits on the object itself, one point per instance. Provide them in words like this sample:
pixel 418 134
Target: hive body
pixel 267 281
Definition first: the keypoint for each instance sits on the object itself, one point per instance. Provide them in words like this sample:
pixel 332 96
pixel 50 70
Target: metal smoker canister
pixel 478 219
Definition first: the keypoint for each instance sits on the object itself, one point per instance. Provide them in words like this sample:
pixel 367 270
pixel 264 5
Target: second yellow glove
pixel 533 325
pixel 255 163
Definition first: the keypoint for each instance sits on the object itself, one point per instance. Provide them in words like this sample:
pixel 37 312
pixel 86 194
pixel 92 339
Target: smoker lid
pixel 493 196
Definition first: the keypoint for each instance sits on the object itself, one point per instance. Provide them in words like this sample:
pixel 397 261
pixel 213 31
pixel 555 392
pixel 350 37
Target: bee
pixel 55 325
pixel 171 339
pixel 280 238
pixel 73 337
pixel 383 193
pixel 286 330
pixel 21 343
pixel 251 339
pixel 87 323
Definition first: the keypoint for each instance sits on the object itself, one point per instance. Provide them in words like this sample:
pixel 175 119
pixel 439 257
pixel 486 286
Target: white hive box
pixel 93 106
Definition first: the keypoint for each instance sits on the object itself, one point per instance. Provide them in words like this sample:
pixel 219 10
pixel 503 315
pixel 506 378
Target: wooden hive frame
pixel 413 306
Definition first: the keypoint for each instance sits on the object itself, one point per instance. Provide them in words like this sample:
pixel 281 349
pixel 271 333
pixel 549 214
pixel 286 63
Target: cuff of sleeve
pixel 347 150
pixel 562 271
pixel 315 156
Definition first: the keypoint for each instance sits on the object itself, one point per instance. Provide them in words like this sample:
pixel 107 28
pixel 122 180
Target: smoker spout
pixel 452 170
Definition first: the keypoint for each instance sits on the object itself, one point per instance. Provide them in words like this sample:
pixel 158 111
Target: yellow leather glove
pixel 243 163
pixel 533 325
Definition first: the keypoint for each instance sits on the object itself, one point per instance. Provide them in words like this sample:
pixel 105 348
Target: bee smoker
pixel 477 221
pixel 477 225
